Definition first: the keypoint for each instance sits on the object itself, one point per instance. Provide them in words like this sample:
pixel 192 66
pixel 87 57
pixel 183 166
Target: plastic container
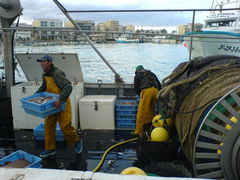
pixel 126 104
pixel 97 112
pixel 39 107
pixel 34 160
pixel 157 151
pixel 44 109
pixel 45 113
pixel 38 132
pixel 122 125
pixel 125 113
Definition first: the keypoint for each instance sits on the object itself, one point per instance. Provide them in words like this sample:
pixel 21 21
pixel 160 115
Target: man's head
pixel 139 67
pixel 45 58
pixel 46 62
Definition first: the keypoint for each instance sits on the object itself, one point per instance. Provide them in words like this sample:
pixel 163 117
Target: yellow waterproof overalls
pixel 63 118
pixel 146 108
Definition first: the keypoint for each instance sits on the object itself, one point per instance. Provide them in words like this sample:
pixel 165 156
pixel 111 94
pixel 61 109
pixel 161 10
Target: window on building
pixel 43 23
pixel 52 24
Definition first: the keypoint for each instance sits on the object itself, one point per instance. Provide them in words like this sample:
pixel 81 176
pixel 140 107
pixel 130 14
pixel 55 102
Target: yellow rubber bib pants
pixel 146 108
pixel 63 118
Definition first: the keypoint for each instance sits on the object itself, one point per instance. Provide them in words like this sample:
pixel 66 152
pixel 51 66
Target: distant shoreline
pixel 54 43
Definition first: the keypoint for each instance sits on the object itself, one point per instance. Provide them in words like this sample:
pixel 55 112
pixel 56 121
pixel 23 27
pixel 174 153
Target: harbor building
pixel 47 23
pixel 187 28
pixel 23 36
pixel 110 26
pixel 85 25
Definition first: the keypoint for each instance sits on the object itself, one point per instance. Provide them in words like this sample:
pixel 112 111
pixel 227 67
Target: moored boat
pixel 220 35
pixel 127 40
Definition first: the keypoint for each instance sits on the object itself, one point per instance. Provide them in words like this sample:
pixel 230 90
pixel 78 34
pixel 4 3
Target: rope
pixel 187 112
pixel 212 88
pixel 175 74
pixel 188 92
pixel 165 91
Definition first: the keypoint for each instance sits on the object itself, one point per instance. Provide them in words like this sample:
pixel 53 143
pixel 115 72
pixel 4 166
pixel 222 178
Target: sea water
pixel 159 58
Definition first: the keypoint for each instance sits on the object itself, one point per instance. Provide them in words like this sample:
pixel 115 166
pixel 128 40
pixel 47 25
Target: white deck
pixel 52 174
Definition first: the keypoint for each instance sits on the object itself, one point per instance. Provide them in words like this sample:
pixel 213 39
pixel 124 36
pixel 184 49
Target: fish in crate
pixel 41 104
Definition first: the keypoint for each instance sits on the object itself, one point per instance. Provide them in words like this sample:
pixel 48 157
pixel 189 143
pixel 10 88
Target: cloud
pixel 48 9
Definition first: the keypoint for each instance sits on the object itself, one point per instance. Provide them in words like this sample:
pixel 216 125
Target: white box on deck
pixel 97 112
pixel 33 72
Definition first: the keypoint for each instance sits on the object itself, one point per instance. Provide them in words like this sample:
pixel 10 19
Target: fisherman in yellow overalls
pixel 146 85
pixel 55 81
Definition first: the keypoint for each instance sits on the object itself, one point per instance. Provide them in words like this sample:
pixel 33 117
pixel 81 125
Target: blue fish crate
pixel 125 122
pixel 127 112
pixel 38 132
pixel 125 116
pixel 126 104
pixel 122 125
pixel 35 161
pixel 46 113
pixel 42 138
pixel 44 109
pixel 39 107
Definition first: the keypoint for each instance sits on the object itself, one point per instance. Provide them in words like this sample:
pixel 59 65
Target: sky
pixel 39 9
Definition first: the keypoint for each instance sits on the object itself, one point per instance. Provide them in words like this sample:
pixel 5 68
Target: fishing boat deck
pixel 95 144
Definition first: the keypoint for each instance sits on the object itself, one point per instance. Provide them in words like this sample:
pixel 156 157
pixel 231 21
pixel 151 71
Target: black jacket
pixel 144 79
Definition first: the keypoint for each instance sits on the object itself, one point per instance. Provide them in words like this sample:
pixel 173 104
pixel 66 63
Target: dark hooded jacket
pixel 145 79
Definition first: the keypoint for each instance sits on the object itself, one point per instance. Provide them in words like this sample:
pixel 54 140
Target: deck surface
pixel 96 142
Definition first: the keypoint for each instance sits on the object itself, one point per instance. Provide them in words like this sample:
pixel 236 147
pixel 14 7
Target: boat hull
pixel 128 41
pixel 209 43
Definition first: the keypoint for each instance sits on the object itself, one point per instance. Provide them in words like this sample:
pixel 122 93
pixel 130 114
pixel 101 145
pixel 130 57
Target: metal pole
pixel 192 29
pixel 117 76
pixel 7 49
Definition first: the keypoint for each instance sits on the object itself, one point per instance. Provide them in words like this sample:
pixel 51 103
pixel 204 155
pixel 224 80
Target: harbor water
pixel 159 58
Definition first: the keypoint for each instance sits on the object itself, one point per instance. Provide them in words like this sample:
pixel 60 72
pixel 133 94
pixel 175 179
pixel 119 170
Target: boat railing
pixel 86 34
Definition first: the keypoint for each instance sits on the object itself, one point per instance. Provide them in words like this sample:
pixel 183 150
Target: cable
pixel 108 150
pixel 12 42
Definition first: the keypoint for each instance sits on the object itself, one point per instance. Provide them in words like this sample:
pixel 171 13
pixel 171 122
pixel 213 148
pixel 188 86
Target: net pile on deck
pixel 191 88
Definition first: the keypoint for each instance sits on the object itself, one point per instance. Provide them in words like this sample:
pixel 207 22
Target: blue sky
pixel 47 9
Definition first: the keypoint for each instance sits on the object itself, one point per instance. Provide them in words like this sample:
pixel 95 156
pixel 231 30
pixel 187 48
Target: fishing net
pixel 191 88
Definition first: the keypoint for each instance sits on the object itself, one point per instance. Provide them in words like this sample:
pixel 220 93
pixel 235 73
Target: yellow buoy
pixel 155 121
pixel 158 122
pixel 159 134
pixel 233 119
pixel 133 171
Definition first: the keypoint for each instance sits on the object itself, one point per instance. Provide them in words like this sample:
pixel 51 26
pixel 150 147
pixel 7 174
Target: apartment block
pixel 47 23
pixel 188 28
pixel 84 25
pixel 111 25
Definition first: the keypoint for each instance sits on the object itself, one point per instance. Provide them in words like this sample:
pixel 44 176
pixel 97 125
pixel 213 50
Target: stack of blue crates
pixel 39 132
pixel 125 113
